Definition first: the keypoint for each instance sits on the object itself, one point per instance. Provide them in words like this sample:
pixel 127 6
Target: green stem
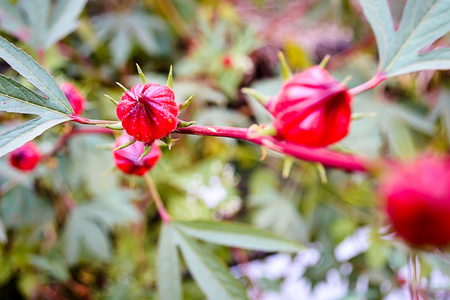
pixel 165 217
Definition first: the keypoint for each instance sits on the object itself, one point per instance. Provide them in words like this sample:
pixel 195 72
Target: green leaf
pixel 12 22
pixel 210 273
pixel 54 267
pixel 3 236
pixel 423 22
pixel 168 266
pixel 53 108
pixel 400 139
pixel 238 235
pixel 64 20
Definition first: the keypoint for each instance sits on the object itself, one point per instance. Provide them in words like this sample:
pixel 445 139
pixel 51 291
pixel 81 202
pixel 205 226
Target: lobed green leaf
pixel 210 273
pixel 238 235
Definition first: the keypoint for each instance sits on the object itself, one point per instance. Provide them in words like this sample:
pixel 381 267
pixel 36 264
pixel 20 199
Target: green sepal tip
pixel 255 94
pixel 117 126
pixel 130 142
pixel 322 172
pixel 112 100
pixel 185 103
pixel 288 163
pixel 123 88
pixel 141 74
pixel 170 79
pixel 286 72
pixel 325 61
pixel 182 124
pixel 359 116
pixel 147 149
pixel 168 141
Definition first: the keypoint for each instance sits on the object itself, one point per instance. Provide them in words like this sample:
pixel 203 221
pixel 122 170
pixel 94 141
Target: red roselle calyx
pixel 148 112
pixel 128 159
pixel 312 109
pixel 25 158
pixel 75 97
pixel 417 200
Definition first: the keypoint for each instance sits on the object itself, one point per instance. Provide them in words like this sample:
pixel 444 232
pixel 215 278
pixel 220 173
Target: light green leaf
pixel 3 236
pixel 238 235
pixel 53 108
pixel 400 140
pixel 168 266
pixel 12 22
pixel 64 20
pixel 54 267
pixel 423 22
pixel 210 273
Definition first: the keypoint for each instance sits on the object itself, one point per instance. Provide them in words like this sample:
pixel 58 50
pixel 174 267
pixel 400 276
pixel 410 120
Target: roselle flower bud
pixel 417 200
pixel 148 112
pixel 312 109
pixel 75 97
pixel 25 158
pixel 127 159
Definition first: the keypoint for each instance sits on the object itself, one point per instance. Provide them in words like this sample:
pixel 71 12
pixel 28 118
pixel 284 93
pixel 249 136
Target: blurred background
pixel 76 228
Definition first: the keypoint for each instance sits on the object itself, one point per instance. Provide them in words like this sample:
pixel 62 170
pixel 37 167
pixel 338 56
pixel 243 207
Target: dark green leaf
pixel 238 235
pixel 210 273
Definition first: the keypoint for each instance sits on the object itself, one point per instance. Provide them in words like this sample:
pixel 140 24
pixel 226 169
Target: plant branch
pixel 376 80
pixel 326 157
pixel 165 217
pixel 81 120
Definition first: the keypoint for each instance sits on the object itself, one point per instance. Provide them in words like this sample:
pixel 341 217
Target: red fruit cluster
pixel 25 158
pixel 312 109
pixel 75 97
pixel 417 200
pixel 148 112
pixel 127 159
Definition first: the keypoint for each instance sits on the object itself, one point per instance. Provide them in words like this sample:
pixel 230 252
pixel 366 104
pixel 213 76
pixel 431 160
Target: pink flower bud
pixel 417 200
pixel 312 109
pixel 148 112
pixel 127 159
pixel 76 99
pixel 25 158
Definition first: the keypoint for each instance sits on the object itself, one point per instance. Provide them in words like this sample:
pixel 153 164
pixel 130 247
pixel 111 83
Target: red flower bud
pixel 312 109
pixel 26 157
pixel 417 200
pixel 127 159
pixel 148 112
pixel 76 99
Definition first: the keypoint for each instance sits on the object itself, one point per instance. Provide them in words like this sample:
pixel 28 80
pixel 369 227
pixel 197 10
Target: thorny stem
pixel 165 217
pixel 322 155
pixel 376 80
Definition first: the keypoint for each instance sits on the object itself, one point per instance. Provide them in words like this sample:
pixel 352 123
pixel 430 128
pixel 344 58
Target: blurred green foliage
pixel 78 229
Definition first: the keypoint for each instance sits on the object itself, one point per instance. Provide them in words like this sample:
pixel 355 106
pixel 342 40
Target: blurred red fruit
pixel 227 61
pixel 127 159
pixel 417 200
pixel 148 112
pixel 76 99
pixel 25 158
pixel 312 109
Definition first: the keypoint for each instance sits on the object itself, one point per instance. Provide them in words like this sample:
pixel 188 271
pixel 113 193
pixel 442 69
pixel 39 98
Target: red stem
pixel 322 155
pixel 81 120
pixel 376 80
